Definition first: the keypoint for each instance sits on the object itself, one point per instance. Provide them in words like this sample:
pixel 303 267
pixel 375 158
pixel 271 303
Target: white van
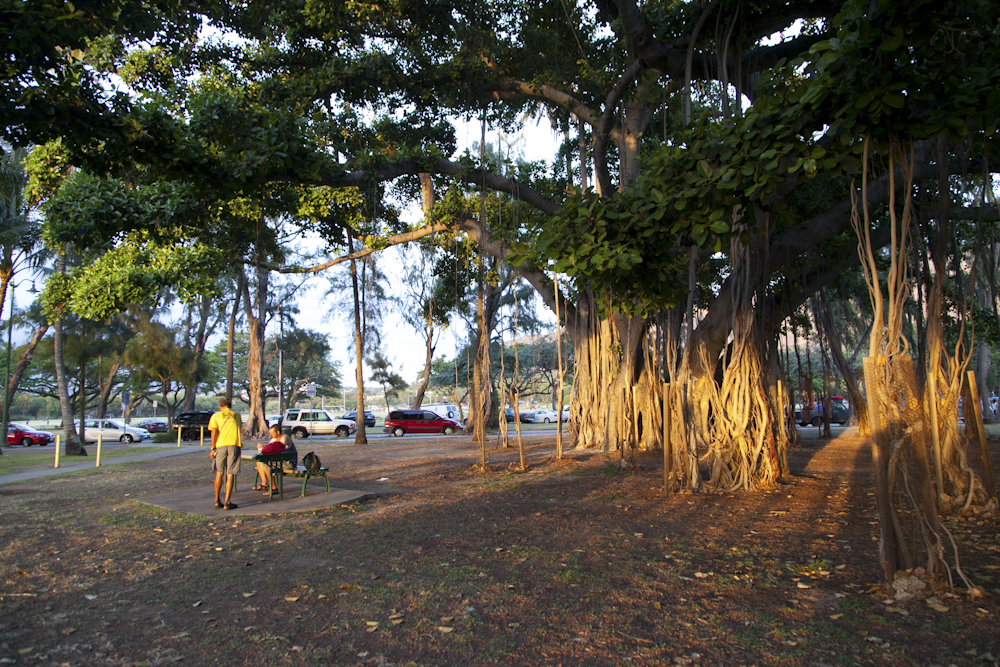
pixel 446 410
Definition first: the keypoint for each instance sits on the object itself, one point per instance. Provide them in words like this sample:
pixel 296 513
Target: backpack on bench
pixel 311 462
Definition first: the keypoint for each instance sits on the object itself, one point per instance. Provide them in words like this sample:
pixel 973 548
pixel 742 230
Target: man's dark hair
pixel 225 403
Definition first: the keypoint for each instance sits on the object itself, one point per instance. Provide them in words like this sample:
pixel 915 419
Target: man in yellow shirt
pixel 225 427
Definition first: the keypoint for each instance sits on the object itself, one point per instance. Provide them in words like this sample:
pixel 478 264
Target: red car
pixel 418 421
pixel 19 434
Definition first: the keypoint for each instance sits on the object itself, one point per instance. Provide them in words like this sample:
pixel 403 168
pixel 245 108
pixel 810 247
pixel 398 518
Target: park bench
pixel 275 462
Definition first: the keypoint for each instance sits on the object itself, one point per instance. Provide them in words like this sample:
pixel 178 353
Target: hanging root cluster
pixel 904 433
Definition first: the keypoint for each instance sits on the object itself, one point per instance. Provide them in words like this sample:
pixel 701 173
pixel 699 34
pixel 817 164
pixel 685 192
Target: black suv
pixel 190 423
pixel 353 414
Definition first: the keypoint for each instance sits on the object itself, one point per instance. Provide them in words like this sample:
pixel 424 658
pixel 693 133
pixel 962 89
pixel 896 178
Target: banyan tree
pixel 722 163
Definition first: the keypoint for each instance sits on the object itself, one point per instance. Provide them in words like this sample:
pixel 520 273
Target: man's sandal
pixel 218 505
pixel 230 506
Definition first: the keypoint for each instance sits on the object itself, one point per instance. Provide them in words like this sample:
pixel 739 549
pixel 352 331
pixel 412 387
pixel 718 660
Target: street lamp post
pixel 6 377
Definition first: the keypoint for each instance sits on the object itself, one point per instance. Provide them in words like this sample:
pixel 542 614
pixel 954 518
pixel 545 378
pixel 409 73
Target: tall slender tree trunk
pixel 477 404
pixel 198 344
pixel 427 195
pixel 24 361
pixel 81 396
pixel 106 387
pixel 73 441
pixel 231 340
pixel 850 379
pixel 361 438
pixel 428 359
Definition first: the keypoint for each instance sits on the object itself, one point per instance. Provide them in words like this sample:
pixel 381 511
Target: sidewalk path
pixel 89 463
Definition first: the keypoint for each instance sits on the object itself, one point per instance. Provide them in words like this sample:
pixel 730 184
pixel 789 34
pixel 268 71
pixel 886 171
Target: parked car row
pixel 538 416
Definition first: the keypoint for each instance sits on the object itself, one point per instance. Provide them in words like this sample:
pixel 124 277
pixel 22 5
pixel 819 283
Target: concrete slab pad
pixel 199 501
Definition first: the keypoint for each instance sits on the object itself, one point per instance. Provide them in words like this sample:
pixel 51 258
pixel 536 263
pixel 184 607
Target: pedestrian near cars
pixel 225 428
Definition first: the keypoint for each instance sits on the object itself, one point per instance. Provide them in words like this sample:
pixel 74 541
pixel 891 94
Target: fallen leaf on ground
pixel 197 604
pixel 396 621
pixel 69 631
pixel 370 623
pixel 447 619
pixel 834 617
pixel 248 595
pixel 445 629
pixel 898 610
pixel 701 575
pixel 294 598
pixel 937 606
pixel 803 584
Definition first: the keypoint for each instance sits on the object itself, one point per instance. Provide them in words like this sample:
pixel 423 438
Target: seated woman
pixel 279 443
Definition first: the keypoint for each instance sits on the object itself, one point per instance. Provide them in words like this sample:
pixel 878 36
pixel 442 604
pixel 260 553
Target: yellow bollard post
pixel 178 436
pixel 57 453
pixel 201 436
pixel 99 438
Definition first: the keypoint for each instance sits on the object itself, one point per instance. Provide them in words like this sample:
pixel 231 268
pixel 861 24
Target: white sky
pixel 404 346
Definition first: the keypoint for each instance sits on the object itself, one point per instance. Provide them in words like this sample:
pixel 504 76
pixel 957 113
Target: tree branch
pixel 671 61
pixel 465 172
pixel 602 128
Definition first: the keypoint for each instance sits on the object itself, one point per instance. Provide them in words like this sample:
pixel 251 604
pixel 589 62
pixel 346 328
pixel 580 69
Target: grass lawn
pixel 573 562
pixel 19 460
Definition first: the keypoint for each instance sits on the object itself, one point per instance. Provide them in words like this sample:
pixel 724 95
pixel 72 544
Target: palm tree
pixel 20 237
pixel 20 234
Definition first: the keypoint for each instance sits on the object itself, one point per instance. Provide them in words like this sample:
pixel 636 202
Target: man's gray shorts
pixel 227 460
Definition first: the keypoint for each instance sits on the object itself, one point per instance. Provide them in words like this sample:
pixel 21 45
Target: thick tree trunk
pixel 616 402
pixel 255 424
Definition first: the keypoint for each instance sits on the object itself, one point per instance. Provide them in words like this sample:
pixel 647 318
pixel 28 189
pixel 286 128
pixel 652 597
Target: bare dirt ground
pixel 571 563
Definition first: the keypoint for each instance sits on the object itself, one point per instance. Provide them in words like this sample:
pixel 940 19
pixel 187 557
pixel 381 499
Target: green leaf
pixel 894 100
